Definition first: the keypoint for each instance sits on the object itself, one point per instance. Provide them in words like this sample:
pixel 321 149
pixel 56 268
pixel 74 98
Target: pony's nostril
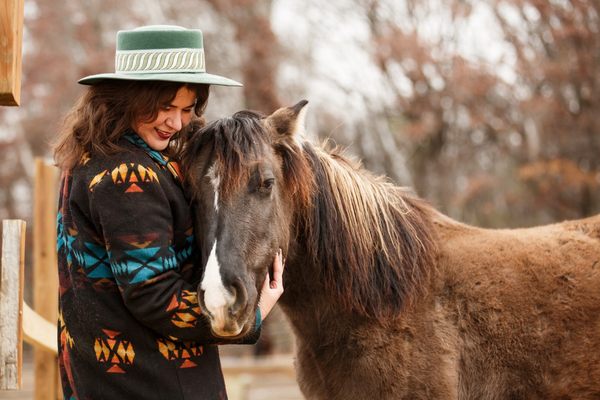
pixel 231 310
pixel 201 303
pixel 240 298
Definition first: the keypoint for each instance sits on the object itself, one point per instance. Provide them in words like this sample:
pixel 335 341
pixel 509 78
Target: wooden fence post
pixel 45 275
pixel 11 38
pixel 11 300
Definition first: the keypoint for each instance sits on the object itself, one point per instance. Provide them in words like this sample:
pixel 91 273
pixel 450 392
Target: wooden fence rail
pixel 45 280
pixel 32 324
pixel 19 322
pixel 11 34
pixel 11 296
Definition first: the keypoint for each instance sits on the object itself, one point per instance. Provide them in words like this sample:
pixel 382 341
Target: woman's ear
pixel 289 121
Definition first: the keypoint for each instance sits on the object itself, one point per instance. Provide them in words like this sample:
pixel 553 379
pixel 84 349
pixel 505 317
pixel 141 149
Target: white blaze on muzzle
pixel 217 298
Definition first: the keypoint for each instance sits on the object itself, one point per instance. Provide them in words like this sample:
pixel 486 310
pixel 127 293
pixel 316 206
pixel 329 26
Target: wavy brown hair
pixel 107 110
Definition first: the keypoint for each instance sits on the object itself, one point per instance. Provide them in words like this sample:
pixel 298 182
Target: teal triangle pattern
pixel 186 252
pixel 91 256
pixel 94 260
pixel 139 265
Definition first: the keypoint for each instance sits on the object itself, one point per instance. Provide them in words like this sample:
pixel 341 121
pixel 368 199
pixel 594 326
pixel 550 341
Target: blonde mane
pixel 376 237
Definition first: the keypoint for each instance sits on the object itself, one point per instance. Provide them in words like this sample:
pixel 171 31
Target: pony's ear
pixel 289 121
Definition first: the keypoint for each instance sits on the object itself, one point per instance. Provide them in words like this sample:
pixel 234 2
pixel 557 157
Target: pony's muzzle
pixel 225 307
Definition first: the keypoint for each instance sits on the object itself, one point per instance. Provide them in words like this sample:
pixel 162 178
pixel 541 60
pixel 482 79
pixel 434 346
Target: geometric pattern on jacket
pixel 130 325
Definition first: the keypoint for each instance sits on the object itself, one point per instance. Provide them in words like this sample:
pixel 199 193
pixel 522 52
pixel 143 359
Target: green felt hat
pixel 160 53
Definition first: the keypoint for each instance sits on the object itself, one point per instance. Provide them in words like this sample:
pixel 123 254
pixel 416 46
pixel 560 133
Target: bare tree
pixel 259 48
pixel 487 149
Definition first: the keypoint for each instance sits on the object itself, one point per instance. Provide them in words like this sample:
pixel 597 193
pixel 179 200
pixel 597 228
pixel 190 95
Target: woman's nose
pixel 174 121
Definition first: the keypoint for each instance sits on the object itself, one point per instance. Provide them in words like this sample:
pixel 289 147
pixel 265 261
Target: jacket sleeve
pixel 135 218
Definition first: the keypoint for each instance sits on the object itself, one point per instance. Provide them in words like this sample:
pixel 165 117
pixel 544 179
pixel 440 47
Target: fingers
pixel 266 283
pixel 278 267
pixel 272 289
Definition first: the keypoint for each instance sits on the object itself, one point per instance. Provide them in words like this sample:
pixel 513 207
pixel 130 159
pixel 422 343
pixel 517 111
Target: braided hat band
pixel 160 61
pixel 162 53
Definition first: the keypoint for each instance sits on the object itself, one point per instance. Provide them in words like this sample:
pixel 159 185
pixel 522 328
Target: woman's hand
pixel 272 289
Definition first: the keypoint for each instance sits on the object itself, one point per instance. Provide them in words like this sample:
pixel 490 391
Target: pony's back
pixel 527 305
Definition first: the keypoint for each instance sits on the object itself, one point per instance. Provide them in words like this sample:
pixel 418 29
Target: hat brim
pixel 182 77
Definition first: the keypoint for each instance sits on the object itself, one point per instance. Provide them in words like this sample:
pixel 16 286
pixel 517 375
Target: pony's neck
pixel 370 242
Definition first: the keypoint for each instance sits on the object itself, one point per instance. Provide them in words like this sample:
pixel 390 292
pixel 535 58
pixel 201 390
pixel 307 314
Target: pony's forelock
pixel 239 141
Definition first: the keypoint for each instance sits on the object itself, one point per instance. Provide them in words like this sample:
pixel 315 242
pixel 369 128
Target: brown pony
pixel 388 298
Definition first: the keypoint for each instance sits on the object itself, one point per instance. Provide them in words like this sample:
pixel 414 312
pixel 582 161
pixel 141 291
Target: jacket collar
pixel 156 155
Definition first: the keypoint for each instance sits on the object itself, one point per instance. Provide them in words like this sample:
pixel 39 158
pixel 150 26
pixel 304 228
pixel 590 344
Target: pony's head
pixel 246 175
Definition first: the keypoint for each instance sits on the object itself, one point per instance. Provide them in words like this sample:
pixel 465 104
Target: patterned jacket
pixel 130 325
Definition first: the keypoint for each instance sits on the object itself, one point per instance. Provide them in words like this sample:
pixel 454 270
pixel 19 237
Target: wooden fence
pixel 11 293
pixel 24 322
pixel 11 34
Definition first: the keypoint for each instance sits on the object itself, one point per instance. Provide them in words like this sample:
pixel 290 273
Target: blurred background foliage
pixel 489 109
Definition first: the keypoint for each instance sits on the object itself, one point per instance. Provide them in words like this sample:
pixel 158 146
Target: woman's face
pixel 171 118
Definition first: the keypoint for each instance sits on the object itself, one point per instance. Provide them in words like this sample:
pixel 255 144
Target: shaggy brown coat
pixel 390 299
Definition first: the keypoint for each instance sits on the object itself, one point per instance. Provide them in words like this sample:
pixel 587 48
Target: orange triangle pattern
pixel 179 350
pixel 134 188
pixel 141 245
pixel 97 180
pixel 111 334
pixel 115 369
pixel 132 173
pixel 174 303
pixel 188 364
pixel 175 170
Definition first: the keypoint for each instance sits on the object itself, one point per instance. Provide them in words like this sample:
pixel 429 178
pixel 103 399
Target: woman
pixel 130 325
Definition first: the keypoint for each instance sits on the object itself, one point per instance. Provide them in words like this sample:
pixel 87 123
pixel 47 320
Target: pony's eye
pixel 262 183
pixel 268 184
